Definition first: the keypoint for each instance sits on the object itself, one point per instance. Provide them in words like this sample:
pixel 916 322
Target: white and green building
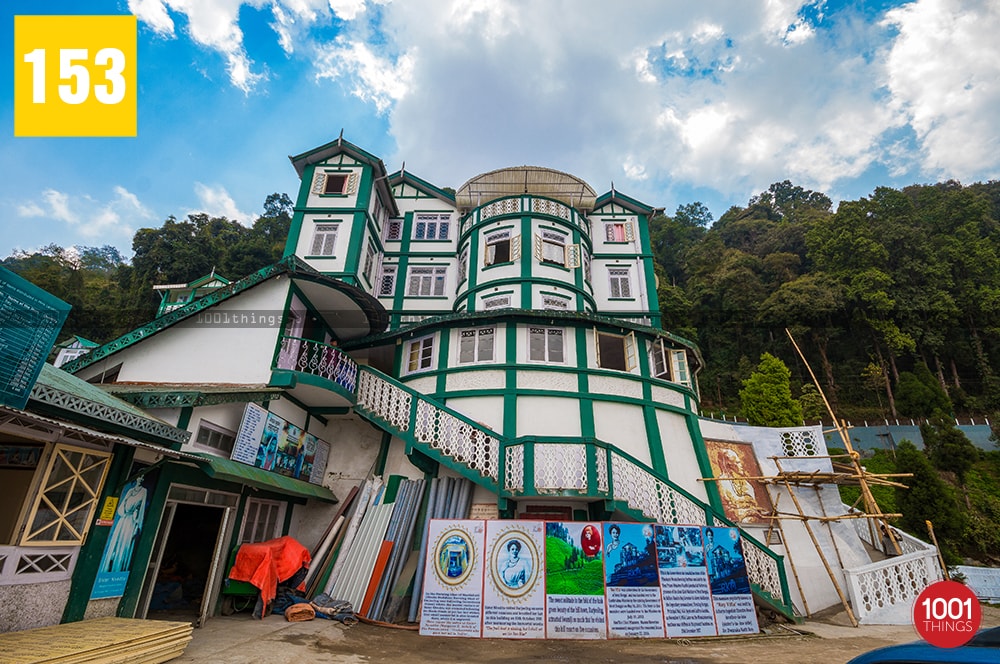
pixel 507 332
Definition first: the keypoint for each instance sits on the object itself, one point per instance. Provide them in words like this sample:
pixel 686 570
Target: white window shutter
pixel 597 346
pixel 352 183
pixel 317 245
pixel 319 183
pixel 515 248
pixel 629 231
pixel 537 247
pixel 630 352
pixel 572 255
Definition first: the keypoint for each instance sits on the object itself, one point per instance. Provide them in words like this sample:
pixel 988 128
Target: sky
pixel 672 102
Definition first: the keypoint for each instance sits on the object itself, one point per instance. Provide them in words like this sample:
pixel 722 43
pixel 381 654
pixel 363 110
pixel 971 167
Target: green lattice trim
pixel 377 316
pixel 193 398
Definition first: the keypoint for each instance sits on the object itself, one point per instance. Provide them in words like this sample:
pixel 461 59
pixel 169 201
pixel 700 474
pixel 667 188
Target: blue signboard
pixel 30 320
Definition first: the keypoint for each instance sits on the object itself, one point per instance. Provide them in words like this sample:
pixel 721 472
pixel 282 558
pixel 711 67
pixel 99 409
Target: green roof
pixel 61 393
pixel 240 473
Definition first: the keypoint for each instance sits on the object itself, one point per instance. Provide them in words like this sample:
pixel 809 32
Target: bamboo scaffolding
pixel 871 505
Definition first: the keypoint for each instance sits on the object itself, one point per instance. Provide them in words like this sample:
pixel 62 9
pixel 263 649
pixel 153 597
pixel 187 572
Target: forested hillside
pixel 888 296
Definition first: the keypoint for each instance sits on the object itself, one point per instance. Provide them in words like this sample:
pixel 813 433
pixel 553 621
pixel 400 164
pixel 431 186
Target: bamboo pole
pixel 871 506
pixel 822 557
pixel 788 554
pixel 944 568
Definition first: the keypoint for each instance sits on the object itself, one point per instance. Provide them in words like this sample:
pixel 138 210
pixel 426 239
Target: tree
pixel 927 498
pixel 919 394
pixel 949 449
pixel 766 398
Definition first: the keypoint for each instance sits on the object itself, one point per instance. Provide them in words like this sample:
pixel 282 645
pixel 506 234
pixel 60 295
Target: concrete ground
pixel 239 639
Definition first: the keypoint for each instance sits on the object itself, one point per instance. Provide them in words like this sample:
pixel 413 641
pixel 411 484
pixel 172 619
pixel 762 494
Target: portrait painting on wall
pixel 745 500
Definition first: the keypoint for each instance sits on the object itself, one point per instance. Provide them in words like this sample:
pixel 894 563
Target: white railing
pixel 882 592
pixel 318 359
pixel 26 565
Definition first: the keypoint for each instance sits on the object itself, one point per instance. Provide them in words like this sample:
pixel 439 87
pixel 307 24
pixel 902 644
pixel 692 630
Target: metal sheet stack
pixel 98 641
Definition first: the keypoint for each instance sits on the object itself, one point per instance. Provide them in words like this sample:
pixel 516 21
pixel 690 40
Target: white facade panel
pixel 679 454
pixel 623 426
pixel 548 416
pixel 615 386
pixel 232 342
pixel 548 380
pixel 668 397
pixel 487 411
pixel 481 379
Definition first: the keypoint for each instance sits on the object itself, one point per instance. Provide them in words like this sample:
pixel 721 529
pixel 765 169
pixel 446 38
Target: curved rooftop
pixel 518 180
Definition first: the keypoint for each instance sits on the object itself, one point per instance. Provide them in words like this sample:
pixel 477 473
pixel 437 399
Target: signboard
pixel 126 530
pixel 453 579
pixel 732 598
pixel 514 591
pixel 574 581
pixel 30 320
pixel 632 581
pixel 686 595
pixel 270 442
pixel 579 580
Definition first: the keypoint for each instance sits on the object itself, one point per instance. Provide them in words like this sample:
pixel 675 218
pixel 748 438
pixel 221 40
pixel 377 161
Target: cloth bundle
pixel 300 612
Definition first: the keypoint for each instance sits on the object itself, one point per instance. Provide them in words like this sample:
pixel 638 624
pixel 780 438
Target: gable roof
pixel 333 148
pixel 626 202
pixel 375 314
pixel 402 176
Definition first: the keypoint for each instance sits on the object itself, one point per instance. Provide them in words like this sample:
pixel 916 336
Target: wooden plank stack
pixel 98 641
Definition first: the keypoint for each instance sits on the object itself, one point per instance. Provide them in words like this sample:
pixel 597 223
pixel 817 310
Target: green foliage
pixel 948 448
pixel 110 297
pixel 927 498
pixel 811 403
pixel 882 462
pixel 766 397
pixel 569 572
pixel 919 394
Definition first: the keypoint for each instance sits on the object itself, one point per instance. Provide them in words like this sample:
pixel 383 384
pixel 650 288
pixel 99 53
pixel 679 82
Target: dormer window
pixel 336 183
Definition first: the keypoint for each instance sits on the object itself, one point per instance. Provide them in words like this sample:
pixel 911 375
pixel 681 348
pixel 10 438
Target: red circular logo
pixel 947 614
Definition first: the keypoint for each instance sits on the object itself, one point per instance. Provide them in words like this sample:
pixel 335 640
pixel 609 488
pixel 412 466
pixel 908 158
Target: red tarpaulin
pixel 265 564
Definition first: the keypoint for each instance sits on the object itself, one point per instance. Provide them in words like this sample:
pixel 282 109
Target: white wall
pixel 623 426
pixel 548 416
pixel 679 454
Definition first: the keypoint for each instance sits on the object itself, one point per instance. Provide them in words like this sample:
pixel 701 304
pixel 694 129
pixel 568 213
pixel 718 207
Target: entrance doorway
pixel 185 571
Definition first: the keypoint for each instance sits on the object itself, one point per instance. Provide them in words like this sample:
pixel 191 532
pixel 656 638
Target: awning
pixel 234 471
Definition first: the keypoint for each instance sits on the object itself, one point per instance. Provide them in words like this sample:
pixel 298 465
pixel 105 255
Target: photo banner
pixel 732 598
pixel 453 579
pixel 270 442
pixel 635 608
pixel 514 589
pixel 126 530
pixel 574 581
pixel 686 594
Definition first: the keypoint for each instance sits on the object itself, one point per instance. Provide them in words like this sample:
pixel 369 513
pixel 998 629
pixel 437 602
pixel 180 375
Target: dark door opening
pixel 183 575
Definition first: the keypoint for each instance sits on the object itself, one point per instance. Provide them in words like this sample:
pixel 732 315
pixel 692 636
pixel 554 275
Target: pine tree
pixel 766 398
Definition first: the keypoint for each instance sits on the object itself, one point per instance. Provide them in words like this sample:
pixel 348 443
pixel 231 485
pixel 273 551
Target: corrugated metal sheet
pixel 360 559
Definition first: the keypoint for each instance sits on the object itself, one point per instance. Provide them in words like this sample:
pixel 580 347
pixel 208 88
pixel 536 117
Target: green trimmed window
pixel 545 344
pixel 615 351
pixel 620 282
pixel 426 281
pixel 324 240
pixel 419 354
pixel 428 226
pixel 476 345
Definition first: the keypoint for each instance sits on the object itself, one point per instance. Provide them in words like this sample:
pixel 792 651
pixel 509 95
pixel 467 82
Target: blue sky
pixel 674 102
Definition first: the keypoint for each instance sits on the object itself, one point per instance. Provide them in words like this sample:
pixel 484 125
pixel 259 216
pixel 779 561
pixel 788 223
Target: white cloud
pixel 216 202
pixel 106 222
pixel 371 77
pixel 211 23
pixel 723 96
pixel 944 74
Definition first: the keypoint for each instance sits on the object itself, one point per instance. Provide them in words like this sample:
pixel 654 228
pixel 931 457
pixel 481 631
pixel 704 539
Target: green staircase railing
pixel 525 467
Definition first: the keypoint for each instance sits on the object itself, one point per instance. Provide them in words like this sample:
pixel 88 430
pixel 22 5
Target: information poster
pixel 574 581
pixel 635 609
pixel 453 579
pixel 514 590
pixel 732 598
pixel 269 442
pixel 30 320
pixel 249 436
pixel 684 588
pixel 126 530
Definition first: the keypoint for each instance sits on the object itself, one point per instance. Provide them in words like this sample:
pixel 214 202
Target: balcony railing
pixel 318 359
